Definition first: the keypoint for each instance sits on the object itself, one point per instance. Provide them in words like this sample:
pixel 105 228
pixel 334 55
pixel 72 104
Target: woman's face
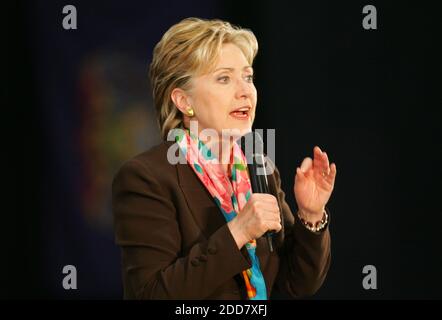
pixel 226 97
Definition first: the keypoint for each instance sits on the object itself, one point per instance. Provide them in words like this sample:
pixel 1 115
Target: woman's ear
pixel 181 100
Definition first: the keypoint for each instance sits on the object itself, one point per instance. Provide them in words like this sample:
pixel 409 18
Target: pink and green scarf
pixel 230 196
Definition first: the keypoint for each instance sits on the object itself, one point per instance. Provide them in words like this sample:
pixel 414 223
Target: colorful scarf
pixel 230 196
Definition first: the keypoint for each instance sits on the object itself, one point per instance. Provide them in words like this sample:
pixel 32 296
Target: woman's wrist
pixel 310 216
pixel 315 222
pixel 237 233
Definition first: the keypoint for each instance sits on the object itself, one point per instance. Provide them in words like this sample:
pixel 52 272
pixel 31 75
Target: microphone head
pixel 252 145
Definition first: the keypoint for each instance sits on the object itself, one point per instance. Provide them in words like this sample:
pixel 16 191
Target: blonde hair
pixel 190 48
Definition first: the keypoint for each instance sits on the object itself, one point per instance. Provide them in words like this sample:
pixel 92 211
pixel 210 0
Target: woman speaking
pixel 194 230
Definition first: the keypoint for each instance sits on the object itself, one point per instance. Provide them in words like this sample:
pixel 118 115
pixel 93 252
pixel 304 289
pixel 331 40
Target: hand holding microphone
pixel 259 215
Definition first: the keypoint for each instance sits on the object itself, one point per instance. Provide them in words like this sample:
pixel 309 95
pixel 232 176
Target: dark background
pixel 370 98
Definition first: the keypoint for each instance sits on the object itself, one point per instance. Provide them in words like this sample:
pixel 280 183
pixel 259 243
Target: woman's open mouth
pixel 241 113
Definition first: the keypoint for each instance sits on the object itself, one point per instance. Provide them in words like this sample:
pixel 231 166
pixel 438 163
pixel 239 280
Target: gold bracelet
pixel 315 227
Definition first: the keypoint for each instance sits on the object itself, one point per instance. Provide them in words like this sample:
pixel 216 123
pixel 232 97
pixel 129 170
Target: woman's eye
pixel 250 78
pixel 226 79
pixel 223 79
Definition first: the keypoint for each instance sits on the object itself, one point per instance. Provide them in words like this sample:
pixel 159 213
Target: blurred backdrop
pixel 81 105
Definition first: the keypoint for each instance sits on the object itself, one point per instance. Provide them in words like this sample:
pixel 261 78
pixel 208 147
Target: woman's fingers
pixel 306 164
pixel 320 161
pixel 299 174
pixel 275 226
pixel 265 202
pixel 264 197
pixel 327 163
pixel 320 165
pixel 268 207
pixel 331 176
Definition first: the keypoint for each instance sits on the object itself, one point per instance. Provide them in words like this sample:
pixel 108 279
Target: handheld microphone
pixel 253 148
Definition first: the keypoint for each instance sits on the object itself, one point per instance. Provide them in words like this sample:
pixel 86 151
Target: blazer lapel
pixel 204 209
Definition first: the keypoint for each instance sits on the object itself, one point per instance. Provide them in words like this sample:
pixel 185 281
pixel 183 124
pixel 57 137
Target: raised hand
pixel 314 182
